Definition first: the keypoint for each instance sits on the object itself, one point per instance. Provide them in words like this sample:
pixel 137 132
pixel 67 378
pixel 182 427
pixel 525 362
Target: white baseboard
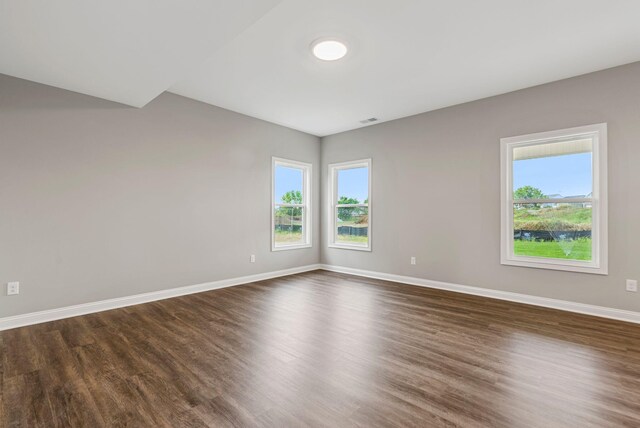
pixel 563 305
pixel 120 302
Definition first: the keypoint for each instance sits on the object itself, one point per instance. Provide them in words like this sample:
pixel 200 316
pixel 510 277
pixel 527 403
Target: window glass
pixel 350 223
pixel 288 225
pixel 290 214
pixel 556 203
pixel 288 184
pixel 553 230
pixel 353 186
pixel 556 170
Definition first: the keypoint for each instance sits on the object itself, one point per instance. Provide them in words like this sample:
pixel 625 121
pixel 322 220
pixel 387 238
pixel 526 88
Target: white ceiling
pixel 406 56
pixel 128 51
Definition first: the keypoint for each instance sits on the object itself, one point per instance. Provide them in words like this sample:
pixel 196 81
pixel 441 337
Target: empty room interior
pixel 295 213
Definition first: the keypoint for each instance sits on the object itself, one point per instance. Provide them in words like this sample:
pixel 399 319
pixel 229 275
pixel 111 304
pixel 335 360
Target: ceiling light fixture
pixel 328 50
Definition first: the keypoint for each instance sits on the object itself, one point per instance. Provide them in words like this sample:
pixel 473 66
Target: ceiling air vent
pixel 371 119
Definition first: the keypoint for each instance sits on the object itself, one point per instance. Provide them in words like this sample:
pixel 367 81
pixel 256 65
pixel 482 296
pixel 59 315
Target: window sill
pixel 553 265
pixel 350 247
pixel 290 247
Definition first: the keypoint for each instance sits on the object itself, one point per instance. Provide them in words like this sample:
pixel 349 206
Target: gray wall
pixel 437 171
pixel 98 200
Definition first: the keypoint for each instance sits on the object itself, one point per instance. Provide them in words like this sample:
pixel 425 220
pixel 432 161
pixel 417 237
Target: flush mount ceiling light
pixel 328 49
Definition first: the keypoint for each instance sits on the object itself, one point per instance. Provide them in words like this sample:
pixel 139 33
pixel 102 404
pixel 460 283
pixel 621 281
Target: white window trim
pixel 307 225
pixel 333 205
pixel 599 262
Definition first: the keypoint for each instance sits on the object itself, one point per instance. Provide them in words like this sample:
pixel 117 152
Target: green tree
pixel 347 213
pixel 290 197
pixel 345 200
pixel 528 192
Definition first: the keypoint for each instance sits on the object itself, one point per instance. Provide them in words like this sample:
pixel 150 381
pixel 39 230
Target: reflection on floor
pixel 323 349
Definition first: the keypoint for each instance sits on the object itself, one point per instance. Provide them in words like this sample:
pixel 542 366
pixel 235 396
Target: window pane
pixel 557 231
pixel 353 186
pixel 553 170
pixel 352 224
pixel 288 185
pixel 288 225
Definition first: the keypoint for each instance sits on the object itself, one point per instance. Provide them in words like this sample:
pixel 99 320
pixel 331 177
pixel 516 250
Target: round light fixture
pixel 328 50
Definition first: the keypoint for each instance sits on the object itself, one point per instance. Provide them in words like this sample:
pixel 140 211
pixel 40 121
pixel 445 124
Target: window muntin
pixel 554 200
pixel 350 205
pixel 290 211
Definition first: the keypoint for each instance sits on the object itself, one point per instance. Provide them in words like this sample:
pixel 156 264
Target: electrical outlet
pixel 632 285
pixel 13 288
pixel 413 260
pixel 252 259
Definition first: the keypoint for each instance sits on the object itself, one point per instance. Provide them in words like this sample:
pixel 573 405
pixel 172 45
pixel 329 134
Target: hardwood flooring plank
pixel 323 349
pixel 17 411
pixel 66 392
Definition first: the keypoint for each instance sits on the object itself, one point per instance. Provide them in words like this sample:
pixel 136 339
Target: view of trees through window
pixel 353 221
pixel 288 219
pixel 558 222
pixel 352 206
pixel 289 215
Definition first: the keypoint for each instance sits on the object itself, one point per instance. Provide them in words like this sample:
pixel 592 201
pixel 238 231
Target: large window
pixel 290 205
pixel 554 200
pixel 350 205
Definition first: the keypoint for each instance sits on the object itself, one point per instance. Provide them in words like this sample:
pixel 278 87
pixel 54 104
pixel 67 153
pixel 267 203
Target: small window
pixel 350 205
pixel 291 205
pixel 554 201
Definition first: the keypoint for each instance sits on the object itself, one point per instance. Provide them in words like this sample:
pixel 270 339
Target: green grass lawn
pixel 563 218
pixel 353 239
pixel 580 249
pixel 286 237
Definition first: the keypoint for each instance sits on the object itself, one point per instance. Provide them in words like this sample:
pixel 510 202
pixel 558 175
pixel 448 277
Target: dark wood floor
pixel 323 349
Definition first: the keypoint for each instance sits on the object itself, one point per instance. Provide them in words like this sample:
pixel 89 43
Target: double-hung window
pixel 350 205
pixel 554 200
pixel 290 205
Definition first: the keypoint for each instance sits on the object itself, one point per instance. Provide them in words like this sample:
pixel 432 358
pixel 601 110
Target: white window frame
pixel 306 203
pixel 599 234
pixel 333 204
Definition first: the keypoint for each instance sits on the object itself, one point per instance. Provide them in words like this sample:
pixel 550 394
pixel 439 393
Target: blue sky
pixel 287 179
pixel 353 183
pixel 567 175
